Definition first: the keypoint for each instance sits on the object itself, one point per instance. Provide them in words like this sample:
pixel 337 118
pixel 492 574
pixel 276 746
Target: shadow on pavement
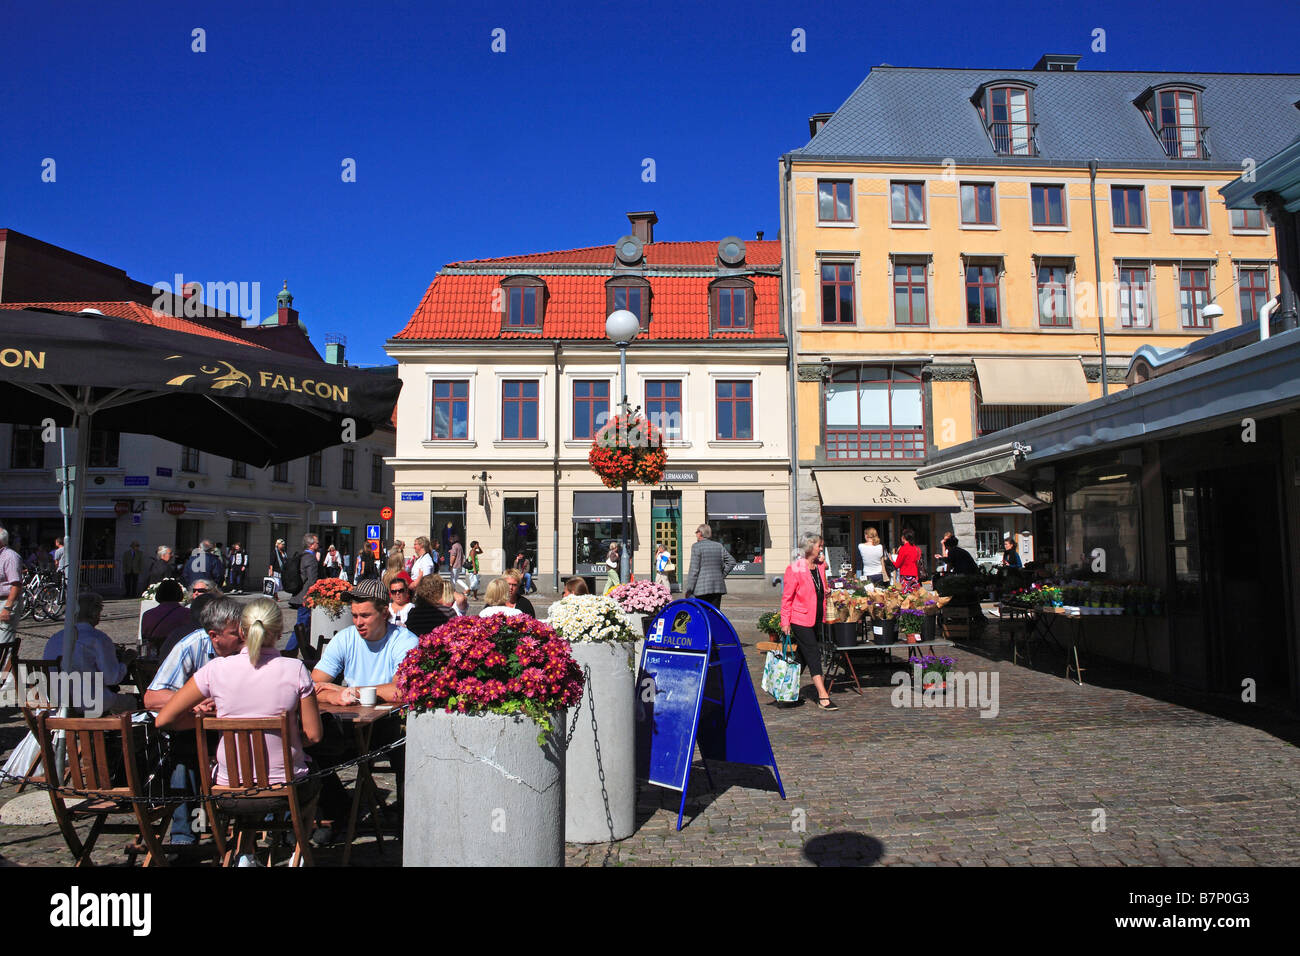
pixel 847 848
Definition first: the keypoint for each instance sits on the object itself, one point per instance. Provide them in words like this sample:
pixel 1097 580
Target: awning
pixel 734 506
pixel 276 514
pixel 242 514
pixel 598 506
pixel 1026 381
pixel 884 490
pixel 969 469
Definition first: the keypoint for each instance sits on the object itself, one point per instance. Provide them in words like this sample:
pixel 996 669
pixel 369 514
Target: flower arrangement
pixel 909 620
pixel 590 617
pixel 886 604
pixel 844 605
pixel 934 669
pixel 642 597
pixel 327 594
pixel 150 593
pixel 770 624
pixel 497 665
pixel 628 449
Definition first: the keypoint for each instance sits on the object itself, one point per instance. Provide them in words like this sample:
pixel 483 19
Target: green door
pixel 666 521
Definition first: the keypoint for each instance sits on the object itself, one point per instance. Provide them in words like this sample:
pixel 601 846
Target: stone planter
pixel 481 792
pixel 325 625
pixel 596 813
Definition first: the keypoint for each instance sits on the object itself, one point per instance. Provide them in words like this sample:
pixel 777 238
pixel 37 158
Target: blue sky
pixel 226 165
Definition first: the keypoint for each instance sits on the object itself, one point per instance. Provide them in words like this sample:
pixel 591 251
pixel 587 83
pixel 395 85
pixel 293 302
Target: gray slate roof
pixel 927 114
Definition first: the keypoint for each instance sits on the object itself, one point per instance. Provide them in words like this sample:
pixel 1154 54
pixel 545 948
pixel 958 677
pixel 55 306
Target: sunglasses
pixel 199 591
pixel 397 590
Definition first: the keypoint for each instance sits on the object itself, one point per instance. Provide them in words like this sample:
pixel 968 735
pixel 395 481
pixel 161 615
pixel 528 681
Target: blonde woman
pixel 256 682
pixel 872 554
pixel 497 599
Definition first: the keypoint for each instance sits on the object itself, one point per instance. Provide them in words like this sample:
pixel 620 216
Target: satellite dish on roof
pixel 732 250
pixel 628 250
pixel 92 311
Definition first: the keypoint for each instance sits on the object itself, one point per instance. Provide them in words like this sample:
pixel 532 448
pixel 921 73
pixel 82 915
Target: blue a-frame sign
pixel 693 688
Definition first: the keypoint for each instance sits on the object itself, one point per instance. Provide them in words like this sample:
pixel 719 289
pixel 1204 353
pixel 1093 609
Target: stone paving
pixel 1182 779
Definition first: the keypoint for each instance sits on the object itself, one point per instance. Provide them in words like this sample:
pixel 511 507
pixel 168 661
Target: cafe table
pixel 363 720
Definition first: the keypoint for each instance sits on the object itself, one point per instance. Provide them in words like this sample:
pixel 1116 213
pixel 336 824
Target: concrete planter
pixel 481 792
pixel 325 625
pixel 596 812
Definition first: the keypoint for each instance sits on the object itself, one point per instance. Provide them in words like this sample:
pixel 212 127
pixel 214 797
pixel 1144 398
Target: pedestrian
pixel 424 562
pixel 94 658
pixel 11 592
pixel 906 560
pixel 456 561
pixel 238 566
pixel 331 564
pixel 307 572
pixel 1010 553
pixel 525 567
pixel 710 565
pixel 474 552
pixel 59 556
pixel 872 555
pixel 276 568
pixel 203 563
pixel 612 578
pixel 132 565
pixel 663 564
pixel 161 566
pixel 803 610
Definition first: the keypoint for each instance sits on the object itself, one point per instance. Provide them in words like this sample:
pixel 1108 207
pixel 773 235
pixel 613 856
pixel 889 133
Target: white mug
pixel 368 696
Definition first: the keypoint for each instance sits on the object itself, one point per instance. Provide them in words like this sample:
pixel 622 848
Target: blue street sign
pixel 692 648
pixel 412 495
pixel 372 531
pixel 162 472
pixel 136 481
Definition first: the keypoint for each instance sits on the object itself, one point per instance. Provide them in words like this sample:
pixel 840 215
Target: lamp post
pixel 622 327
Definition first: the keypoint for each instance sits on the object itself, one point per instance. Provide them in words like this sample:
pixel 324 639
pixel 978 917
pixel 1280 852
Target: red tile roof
pixel 137 313
pixel 461 307
pixel 765 252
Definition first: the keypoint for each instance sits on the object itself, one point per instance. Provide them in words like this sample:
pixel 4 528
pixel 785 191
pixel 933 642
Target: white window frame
pixel 668 375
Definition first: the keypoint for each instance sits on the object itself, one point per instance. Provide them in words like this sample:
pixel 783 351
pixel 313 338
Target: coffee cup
pixel 368 696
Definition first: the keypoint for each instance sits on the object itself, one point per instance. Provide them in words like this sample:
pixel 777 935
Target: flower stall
pixel 600 763
pixel 485 743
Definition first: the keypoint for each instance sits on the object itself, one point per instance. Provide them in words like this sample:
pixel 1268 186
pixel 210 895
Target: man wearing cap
pixel 365 654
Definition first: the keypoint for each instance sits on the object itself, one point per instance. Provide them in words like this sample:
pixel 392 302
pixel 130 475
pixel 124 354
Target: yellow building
pixel 942 279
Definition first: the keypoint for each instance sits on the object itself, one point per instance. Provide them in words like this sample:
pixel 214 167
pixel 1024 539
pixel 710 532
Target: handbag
pixel 670 566
pixel 781 673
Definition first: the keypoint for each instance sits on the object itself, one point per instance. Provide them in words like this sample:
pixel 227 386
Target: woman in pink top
pixel 256 682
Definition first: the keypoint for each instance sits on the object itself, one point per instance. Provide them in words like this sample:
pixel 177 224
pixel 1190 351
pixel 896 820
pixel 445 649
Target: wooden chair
pixel 91 770
pixel 33 708
pixel 8 658
pixel 247 767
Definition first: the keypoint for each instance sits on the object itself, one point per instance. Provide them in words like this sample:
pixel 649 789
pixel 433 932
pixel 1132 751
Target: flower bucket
pixel 844 633
pixel 929 626
pixel 597 811
pixel 481 792
pixel 884 632
pixel 325 625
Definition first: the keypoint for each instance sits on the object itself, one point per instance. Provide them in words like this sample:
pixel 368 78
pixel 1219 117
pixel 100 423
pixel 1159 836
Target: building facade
pixel 943 281
pixel 508 375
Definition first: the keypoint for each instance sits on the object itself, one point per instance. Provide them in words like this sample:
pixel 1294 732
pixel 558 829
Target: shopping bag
pixel 270 586
pixel 781 673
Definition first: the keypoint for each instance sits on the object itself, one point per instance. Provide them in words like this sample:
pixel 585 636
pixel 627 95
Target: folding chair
pixel 32 709
pixel 91 771
pixel 8 657
pixel 247 768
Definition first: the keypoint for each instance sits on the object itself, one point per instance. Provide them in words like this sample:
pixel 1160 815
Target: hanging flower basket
pixel 628 449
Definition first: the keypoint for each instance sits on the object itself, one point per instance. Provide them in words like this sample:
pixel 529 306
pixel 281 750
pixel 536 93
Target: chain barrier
pixel 270 789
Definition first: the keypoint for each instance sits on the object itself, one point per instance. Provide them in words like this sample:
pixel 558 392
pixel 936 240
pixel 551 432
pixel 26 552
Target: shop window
pixel 744 541
pixel 1101 512
pixel 519 531
pixel 874 413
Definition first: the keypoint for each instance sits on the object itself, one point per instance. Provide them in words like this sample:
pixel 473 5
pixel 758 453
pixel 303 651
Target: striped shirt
pixel 190 653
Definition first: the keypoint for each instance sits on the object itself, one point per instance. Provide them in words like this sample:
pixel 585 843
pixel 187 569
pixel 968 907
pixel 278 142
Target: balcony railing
pixel 1184 142
pixel 876 444
pixel 1014 139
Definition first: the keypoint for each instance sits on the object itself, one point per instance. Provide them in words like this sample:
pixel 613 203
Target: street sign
pixel 174 507
pixel 372 531
pixel 386 514
pixel 373 547
pixel 162 472
pixel 412 495
pixel 121 507
pixel 136 481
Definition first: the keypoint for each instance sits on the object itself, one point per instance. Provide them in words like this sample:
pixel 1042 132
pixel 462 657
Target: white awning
pixel 1031 381
pixel 882 490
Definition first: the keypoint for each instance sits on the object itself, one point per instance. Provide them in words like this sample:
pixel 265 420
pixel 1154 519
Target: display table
pixel 840 659
pixel 1041 626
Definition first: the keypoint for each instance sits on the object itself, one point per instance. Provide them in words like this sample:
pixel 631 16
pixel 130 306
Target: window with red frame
pixel 631 295
pixel 450 411
pixel 1133 312
pixel 1177 124
pixel 1127 207
pixel 663 406
pixel 590 408
pixel 907 202
pixel 1252 292
pixel 731 308
pixel 523 307
pixel 1048 205
pixel 874 412
pixel 1193 294
pixel 735 411
pixel 1189 207
pixel 1247 218
pixel 982 305
pixel 519 402
pixel 910 306
pixel 834 200
pixel 1053 295
pixel 1007 117
pixel 837 293
pixel 977 204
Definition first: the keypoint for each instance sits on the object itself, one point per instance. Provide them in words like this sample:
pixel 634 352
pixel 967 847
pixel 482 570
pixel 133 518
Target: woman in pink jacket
pixel 803 610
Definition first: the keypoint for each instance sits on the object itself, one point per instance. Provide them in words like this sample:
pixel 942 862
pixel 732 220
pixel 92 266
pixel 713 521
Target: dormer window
pixel 731 305
pixel 1007 113
pixel 523 303
pixel 630 293
pixel 1174 114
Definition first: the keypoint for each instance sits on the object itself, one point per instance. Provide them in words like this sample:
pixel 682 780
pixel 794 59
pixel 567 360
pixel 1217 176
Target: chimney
pixel 816 122
pixel 335 345
pixel 285 312
pixel 643 225
pixel 759 237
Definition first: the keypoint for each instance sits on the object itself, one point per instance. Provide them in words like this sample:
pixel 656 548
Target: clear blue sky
pixel 225 165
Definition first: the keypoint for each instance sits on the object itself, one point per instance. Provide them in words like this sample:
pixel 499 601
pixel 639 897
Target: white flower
pixel 589 617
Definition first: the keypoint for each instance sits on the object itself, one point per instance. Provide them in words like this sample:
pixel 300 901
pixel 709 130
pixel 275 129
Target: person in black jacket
pixel 960 560
pixel 309 569
pixel 433 606
pixel 160 567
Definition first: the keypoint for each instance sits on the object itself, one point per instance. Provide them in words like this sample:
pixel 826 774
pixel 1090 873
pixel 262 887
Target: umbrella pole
pixel 72 550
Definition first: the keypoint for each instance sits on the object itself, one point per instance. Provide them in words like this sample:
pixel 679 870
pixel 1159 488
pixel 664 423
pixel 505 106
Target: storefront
pixel 447 519
pixel 597 523
pixel 739 523
pixel 519 530
pixel 888 501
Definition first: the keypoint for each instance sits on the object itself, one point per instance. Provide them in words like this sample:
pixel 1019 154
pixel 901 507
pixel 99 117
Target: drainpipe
pixel 555 468
pixel 1264 310
pixel 1096 265
pixel 787 326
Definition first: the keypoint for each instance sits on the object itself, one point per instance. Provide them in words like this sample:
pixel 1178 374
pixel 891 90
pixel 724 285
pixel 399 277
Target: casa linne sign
pixel 887 488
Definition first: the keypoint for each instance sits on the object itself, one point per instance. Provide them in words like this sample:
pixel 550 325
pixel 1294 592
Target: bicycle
pixel 53 597
pixel 33 581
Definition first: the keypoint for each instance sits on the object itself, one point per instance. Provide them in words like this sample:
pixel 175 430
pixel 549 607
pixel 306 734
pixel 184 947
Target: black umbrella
pixel 237 401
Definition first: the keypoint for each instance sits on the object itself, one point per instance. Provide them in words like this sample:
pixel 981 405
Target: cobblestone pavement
pixel 1183 780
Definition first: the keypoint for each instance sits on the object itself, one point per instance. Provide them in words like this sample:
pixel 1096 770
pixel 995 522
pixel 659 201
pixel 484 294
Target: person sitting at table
pixel 497 599
pixel 94 654
pixel 398 587
pixel 255 682
pixel 170 616
pixel 803 610
pixel 434 606
pixel 960 561
pixel 366 654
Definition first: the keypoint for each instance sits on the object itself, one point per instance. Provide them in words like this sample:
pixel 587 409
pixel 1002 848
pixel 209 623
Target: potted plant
pixel 643 600
pixel 933 670
pixel 328 615
pixel 485 742
pixel 770 624
pixel 600 763
pixel 909 625
pixel 883 608
pixel 844 612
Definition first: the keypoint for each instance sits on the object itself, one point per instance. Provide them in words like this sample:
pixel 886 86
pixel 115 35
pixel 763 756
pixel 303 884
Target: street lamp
pixel 622 327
